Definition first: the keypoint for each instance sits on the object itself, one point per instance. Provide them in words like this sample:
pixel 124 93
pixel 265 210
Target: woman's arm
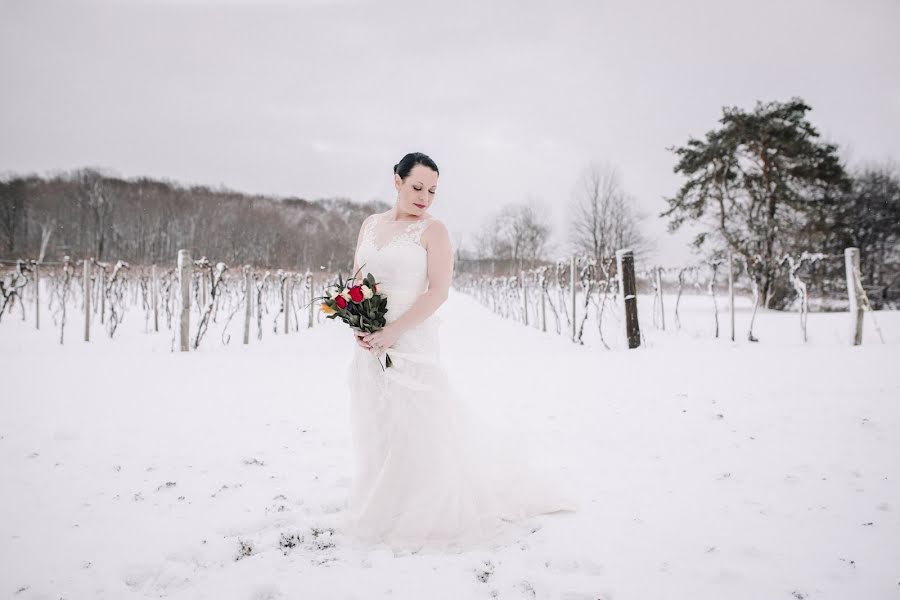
pixel 436 240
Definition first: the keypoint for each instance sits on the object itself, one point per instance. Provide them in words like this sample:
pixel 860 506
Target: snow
pixel 705 468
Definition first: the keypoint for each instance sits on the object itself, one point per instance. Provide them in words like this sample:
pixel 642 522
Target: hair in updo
pixel 412 159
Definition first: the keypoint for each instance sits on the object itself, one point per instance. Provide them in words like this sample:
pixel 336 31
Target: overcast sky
pixel 512 99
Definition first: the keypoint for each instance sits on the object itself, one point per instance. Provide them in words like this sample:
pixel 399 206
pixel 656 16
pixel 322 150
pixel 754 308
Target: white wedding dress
pixel 427 474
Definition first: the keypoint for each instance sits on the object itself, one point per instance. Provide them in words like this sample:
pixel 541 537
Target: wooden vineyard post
pixel 184 279
pixel 572 286
pixel 524 296
pixel 286 302
pixel 625 267
pixel 731 290
pixel 543 308
pixel 202 306
pixel 102 291
pixel 37 296
pixel 154 296
pixel 659 291
pixel 854 292
pixel 86 275
pixel 248 295
pixel 312 307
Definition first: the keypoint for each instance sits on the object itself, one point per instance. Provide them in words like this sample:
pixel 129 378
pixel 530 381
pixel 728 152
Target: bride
pixel 427 474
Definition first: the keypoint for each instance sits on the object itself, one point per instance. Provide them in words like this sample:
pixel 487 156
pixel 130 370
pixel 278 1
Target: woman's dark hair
pixel 412 159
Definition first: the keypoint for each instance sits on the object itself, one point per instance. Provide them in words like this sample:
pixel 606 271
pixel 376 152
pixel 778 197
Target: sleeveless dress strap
pixel 369 232
pixel 417 228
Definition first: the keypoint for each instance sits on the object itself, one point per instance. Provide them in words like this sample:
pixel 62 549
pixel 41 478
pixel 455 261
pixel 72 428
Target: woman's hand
pixel 382 339
pixel 358 335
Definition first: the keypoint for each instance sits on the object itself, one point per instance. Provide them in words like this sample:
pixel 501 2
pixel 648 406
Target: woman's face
pixel 417 192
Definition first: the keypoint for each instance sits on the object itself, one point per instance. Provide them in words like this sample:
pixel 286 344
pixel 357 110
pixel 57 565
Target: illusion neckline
pixel 397 236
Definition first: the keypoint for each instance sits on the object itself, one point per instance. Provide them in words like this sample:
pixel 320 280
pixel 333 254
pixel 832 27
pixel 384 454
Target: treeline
pixel 89 213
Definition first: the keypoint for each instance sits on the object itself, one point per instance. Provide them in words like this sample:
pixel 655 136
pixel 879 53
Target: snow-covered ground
pixel 705 468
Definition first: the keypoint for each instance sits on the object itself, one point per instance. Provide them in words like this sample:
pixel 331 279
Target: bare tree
pixel 532 227
pixel 12 208
pixel 604 218
pixel 97 197
pixel 47 228
pixel 518 234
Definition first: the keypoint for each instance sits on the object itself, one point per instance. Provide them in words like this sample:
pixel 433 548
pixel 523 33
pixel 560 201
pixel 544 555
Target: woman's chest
pixel 399 261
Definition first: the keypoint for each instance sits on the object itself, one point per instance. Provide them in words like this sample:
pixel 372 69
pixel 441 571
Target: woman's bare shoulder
pixel 435 229
pixel 433 219
pixel 369 219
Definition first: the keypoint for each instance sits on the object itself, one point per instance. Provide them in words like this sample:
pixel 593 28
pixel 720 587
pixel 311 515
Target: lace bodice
pixel 396 259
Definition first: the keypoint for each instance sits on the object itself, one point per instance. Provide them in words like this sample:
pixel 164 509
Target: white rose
pixel 346 295
pixel 367 291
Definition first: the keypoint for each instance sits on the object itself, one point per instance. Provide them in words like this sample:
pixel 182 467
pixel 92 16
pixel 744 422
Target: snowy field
pixel 705 468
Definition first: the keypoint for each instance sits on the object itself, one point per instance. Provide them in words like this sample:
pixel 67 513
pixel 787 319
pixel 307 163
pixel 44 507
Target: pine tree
pixel 753 182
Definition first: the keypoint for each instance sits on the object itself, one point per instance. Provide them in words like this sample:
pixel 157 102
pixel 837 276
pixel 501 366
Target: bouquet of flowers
pixel 359 306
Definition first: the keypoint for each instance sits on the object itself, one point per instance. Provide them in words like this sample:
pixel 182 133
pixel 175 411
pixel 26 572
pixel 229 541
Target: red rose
pixel 356 294
pixel 339 300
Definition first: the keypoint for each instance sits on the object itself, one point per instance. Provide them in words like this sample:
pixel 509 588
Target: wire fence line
pixel 562 297
pixel 184 298
pixel 188 297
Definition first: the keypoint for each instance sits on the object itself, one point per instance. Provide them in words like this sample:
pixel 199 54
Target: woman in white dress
pixel 426 474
